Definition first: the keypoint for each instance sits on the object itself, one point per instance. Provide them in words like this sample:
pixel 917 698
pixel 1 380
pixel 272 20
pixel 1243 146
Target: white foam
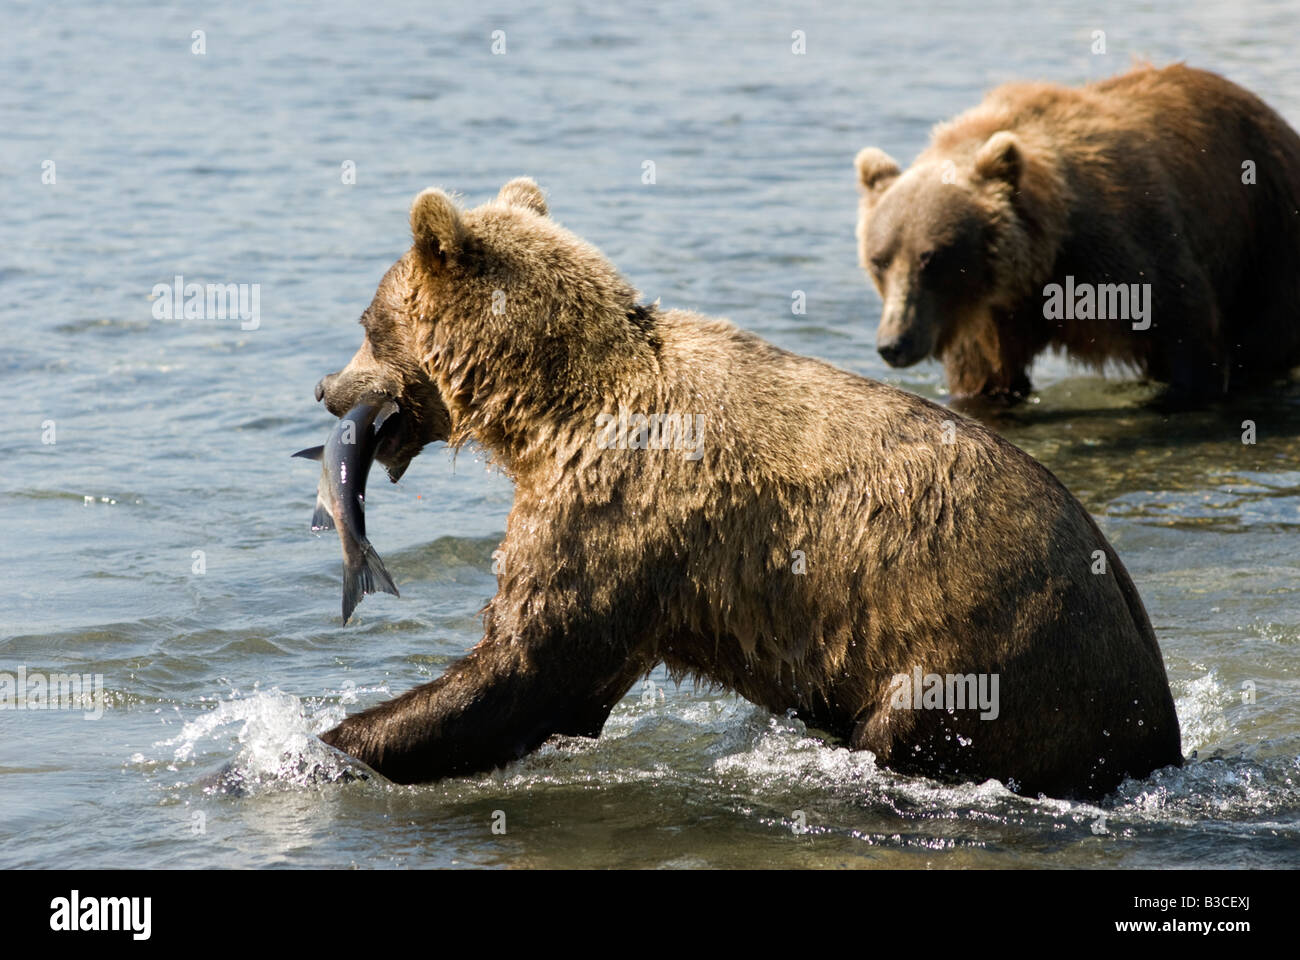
pixel 274 736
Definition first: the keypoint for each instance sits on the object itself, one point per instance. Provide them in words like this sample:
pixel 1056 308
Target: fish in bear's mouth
pixel 372 429
pixel 405 432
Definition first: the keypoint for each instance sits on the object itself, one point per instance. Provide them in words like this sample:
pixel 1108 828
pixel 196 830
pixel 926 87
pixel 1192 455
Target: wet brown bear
pixel 1151 219
pixel 687 493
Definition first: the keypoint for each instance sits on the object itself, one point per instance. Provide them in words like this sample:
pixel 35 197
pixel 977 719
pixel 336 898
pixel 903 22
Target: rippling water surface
pixel 173 436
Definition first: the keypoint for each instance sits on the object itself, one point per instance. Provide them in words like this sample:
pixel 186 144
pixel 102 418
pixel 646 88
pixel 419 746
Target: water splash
pixel 728 754
pixel 274 737
pixel 1201 712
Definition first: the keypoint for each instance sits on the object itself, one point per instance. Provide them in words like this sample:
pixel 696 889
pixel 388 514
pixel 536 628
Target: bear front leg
pixel 493 706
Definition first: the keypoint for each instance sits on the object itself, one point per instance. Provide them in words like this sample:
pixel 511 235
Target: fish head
pixel 387 365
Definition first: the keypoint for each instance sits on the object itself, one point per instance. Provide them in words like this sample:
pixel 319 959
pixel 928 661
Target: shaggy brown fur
pixel 955 557
pixel 1136 179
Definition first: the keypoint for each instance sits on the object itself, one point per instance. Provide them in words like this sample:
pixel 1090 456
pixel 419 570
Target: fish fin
pixel 311 453
pixel 369 576
pixel 321 519
pixel 386 411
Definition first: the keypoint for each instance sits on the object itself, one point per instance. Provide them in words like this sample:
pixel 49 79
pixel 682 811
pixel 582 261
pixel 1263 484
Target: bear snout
pixel 340 393
pixel 326 392
pixel 900 351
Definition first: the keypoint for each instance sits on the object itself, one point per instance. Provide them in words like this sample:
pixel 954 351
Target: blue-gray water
pixel 173 436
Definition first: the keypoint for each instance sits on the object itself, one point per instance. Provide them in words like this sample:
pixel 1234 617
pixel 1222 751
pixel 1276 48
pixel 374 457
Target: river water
pixel 161 539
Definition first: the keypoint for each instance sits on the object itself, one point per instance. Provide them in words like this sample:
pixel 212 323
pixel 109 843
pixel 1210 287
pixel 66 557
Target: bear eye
pixel 925 259
pixel 880 263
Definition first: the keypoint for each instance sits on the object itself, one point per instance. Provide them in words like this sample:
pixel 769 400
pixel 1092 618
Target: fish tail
pixel 368 576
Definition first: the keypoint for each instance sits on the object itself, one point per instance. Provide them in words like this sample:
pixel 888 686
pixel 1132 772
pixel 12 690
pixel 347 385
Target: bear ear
pixel 876 169
pixel 524 192
pixel 1001 158
pixel 436 225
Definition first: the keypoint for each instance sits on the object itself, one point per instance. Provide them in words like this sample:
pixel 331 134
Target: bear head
pixel 940 240
pixel 496 324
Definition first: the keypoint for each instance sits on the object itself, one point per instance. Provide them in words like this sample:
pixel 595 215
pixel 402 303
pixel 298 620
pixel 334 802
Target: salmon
pixel 345 461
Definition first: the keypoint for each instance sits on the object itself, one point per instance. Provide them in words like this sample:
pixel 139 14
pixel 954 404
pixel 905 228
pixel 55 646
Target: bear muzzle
pixel 340 391
pixel 906 334
pixel 902 350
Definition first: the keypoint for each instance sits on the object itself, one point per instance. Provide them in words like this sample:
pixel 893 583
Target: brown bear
pixel 688 494
pixel 1152 219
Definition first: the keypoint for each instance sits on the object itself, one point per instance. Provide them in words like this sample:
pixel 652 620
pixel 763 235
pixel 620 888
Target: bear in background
pixel 688 494
pixel 1151 219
